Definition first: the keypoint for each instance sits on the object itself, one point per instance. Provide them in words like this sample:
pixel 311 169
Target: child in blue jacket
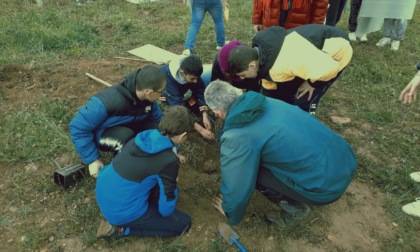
pixel 137 192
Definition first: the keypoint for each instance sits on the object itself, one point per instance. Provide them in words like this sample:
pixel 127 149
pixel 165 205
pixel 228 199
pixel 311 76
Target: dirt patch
pixel 356 222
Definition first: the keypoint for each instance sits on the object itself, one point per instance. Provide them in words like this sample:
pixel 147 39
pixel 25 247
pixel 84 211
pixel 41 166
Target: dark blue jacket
pixel 123 187
pixel 175 91
pixel 117 105
pixel 299 150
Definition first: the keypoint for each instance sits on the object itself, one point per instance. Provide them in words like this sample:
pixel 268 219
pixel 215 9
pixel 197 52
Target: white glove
pixel 94 167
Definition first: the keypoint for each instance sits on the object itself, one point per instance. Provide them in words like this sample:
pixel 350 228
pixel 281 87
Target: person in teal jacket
pixel 288 155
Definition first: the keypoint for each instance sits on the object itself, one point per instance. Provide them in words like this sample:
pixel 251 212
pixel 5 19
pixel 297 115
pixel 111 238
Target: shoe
pixel 186 52
pixel 363 38
pixel 105 229
pixel 352 36
pixel 288 220
pixel 415 176
pixel 384 42
pixel 218 48
pixel 412 208
pixel 395 45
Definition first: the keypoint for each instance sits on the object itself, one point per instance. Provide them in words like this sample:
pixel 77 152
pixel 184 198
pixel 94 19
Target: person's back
pixel 286 154
pixel 288 14
pixel 138 189
pixel 297 148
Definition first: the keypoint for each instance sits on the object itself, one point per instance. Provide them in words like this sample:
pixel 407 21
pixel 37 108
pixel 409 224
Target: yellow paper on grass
pixel 155 54
pixel 226 12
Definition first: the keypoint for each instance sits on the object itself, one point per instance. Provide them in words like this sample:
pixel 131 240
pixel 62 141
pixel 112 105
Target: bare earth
pixel 357 222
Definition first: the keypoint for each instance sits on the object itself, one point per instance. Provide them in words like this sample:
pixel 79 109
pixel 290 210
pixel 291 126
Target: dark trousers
pixel 114 138
pixel 354 13
pixel 152 223
pixel 267 180
pixel 286 91
pixel 334 12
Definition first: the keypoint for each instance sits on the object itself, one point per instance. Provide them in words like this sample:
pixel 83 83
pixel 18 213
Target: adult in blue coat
pixel 286 154
pixel 116 114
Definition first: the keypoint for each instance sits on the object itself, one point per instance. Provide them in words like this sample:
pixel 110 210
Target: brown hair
pixel 176 120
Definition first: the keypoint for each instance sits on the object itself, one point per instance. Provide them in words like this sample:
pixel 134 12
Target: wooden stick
pixel 129 58
pixel 98 80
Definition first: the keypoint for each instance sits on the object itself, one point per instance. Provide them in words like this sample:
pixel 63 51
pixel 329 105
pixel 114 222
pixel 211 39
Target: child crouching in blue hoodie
pixel 137 192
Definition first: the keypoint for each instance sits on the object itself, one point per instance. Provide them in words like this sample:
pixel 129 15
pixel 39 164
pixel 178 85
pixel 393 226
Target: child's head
pixel 176 121
pixel 150 77
pixel 191 68
pixel 150 83
pixel 243 61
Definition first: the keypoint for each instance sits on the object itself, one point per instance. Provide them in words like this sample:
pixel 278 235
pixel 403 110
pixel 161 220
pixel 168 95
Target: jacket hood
pixel 152 141
pixel 269 43
pixel 248 108
pixel 128 88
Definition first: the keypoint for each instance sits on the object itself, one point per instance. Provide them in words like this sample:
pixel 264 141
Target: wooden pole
pixel 98 80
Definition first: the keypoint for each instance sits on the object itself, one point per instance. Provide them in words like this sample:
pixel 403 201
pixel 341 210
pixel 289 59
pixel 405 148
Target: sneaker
pixel 186 52
pixel 352 36
pixel 415 176
pixel 384 42
pixel 363 38
pixel 412 208
pixel 395 45
pixel 105 229
pixel 289 220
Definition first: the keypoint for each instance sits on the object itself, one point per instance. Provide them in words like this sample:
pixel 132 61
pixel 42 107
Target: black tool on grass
pixel 69 175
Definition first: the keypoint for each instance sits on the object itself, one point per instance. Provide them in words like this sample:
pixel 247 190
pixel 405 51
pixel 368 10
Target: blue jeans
pixel 199 8
pixel 395 28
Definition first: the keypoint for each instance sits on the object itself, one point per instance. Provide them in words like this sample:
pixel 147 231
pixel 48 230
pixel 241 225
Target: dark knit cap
pixel 224 55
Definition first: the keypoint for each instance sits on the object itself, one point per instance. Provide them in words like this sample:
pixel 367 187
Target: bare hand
pixel 182 158
pixel 217 203
pixel 303 89
pixel 257 28
pixel 409 94
pixel 207 134
pixel 206 121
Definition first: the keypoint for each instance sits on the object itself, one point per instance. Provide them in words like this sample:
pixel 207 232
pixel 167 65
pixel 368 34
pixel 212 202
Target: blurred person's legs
pixel 354 14
pixel 197 16
pixel 215 9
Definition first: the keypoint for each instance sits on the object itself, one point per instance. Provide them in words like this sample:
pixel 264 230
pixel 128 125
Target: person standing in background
pixel 198 11
pixel 288 14
pixel 394 30
pixel 354 14
pixel 335 9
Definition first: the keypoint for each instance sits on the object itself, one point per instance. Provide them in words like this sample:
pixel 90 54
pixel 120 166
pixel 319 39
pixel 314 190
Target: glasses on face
pixel 159 92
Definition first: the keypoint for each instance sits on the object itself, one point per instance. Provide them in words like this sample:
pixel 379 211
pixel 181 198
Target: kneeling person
pixel 286 154
pixel 183 76
pixel 137 192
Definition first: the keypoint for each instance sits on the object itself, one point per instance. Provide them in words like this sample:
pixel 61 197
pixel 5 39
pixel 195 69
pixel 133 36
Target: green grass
pixel 384 133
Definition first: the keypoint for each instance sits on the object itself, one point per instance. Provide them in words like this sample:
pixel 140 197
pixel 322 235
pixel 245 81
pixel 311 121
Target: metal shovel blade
pixel 227 232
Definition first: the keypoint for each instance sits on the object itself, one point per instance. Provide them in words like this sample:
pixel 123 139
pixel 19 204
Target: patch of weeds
pixel 33 133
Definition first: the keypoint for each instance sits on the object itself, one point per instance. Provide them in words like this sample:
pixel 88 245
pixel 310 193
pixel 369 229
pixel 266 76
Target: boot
pixel 294 212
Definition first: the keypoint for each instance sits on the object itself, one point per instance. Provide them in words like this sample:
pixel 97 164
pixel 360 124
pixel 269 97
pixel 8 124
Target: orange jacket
pixel 267 12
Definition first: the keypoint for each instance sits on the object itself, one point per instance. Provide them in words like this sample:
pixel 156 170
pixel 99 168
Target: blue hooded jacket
pixel 123 187
pixel 117 105
pixel 298 149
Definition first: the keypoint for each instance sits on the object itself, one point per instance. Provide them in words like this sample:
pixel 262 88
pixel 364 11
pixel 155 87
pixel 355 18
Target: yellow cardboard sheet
pixel 154 54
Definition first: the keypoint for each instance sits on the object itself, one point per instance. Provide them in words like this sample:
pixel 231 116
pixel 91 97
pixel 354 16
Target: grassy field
pixel 384 133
